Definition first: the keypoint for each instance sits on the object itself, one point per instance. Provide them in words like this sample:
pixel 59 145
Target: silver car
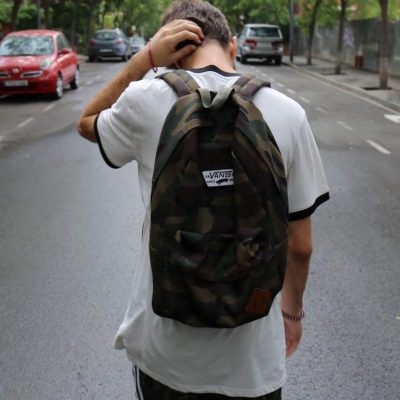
pixel 260 41
pixel 137 43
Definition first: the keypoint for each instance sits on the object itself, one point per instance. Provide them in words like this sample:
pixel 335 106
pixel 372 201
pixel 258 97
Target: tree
pixel 339 51
pixel 14 14
pixel 311 30
pixel 384 46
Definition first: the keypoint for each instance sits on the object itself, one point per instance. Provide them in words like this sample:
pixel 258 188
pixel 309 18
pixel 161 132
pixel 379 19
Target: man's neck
pixel 209 53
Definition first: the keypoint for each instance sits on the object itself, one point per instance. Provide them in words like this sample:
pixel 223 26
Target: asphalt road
pixel 70 232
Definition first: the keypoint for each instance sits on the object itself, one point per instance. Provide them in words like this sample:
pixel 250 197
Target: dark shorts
pixel 149 389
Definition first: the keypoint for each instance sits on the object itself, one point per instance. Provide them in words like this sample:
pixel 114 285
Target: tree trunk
pixel 14 14
pixel 311 31
pixel 339 51
pixel 89 25
pixel 384 46
pixel 73 25
pixel 46 14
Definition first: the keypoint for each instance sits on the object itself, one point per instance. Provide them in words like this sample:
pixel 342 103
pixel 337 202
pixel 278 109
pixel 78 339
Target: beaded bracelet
pixel 153 67
pixel 293 317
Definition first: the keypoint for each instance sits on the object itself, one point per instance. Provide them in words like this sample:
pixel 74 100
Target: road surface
pixel 70 233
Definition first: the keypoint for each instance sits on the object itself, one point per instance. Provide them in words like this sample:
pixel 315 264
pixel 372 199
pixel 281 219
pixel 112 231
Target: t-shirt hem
pixel 297 215
pixel 226 391
pixel 102 151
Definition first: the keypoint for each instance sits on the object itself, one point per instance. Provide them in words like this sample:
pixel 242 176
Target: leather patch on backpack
pixel 260 301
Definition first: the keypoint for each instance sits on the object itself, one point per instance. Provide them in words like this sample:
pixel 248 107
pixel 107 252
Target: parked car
pixel 37 61
pixel 260 41
pixel 109 43
pixel 137 43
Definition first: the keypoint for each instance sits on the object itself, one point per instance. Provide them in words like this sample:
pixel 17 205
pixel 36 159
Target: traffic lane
pixel 352 298
pixel 67 257
pixel 357 121
pixel 30 117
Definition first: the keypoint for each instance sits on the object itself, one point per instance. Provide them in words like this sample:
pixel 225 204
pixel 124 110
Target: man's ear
pixel 233 47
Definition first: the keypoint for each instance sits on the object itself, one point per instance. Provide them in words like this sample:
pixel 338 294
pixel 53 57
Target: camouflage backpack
pixel 218 235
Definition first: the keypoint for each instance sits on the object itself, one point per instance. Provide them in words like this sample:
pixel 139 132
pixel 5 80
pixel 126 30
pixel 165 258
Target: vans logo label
pixel 219 177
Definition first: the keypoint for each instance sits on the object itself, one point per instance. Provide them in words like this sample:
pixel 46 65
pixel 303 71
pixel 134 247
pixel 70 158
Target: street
pixel 70 231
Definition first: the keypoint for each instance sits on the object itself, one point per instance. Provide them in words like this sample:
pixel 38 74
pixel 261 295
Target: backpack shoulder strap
pixel 248 85
pixel 182 83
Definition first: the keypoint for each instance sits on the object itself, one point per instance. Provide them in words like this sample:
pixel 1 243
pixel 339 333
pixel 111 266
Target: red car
pixel 37 61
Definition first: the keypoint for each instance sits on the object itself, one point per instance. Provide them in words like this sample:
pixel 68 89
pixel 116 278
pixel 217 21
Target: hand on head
pixel 165 49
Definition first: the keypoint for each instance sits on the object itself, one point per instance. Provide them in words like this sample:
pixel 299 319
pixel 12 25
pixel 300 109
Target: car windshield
pixel 105 35
pixel 26 46
pixel 264 32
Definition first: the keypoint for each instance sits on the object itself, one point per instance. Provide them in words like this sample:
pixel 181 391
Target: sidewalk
pixel 351 79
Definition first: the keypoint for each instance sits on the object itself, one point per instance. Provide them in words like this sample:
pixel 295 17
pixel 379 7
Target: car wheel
pixel 278 60
pixel 90 59
pixel 124 57
pixel 75 83
pixel 242 58
pixel 59 88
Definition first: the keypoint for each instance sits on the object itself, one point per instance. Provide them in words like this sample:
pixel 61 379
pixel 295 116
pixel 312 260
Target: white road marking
pixel 280 84
pixel 270 79
pixel 26 122
pixel 321 110
pixel 78 107
pixel 49 107
pixel 291 91
pixel 305 100
pixel 393 117
pixel 344 125
pixel 88 83
pixel 378 147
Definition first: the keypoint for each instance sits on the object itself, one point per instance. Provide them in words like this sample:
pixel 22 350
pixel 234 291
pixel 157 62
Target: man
pixel 172 360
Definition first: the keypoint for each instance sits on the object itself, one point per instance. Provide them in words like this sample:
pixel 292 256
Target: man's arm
pixel 163 46
pixel 299 254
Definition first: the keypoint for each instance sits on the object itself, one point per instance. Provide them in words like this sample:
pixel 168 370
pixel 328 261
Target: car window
pixel 60 44
pixel 65 42
pixel 106 35
pixel 263 32
pixel 26 46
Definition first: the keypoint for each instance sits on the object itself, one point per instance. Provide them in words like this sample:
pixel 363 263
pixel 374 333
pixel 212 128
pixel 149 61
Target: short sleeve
pixel 117 130
pixel 307 185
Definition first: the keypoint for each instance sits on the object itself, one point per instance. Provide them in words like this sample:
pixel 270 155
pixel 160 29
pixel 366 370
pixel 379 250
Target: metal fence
pixel 361 38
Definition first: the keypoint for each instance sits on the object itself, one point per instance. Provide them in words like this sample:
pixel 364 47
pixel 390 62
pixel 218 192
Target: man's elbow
pixel 301 250
pixel 85 127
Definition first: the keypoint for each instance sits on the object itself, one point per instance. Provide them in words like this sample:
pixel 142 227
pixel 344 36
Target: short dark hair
pixel 209 18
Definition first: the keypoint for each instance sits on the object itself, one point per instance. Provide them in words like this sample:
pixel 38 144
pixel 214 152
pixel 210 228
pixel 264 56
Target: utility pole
pixel 39 21
pixel 291 30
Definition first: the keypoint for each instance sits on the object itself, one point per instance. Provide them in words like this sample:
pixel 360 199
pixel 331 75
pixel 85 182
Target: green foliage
pixel 366 9
pixel 243 11
pixel 5 12
pixel 27 17
pixel 327 17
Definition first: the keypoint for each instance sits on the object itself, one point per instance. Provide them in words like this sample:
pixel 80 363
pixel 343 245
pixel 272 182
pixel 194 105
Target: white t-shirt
pixel 249 360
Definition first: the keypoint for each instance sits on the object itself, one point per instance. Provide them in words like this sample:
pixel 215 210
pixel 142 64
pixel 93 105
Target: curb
pixel 353 89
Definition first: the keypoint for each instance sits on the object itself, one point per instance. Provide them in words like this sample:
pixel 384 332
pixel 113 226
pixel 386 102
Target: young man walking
pixel 172 360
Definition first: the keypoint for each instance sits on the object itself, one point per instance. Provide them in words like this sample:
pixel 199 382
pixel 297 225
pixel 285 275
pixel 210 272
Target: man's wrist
pixel 293 317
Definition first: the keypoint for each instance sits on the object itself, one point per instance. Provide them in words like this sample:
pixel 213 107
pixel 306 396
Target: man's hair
pixel 209 18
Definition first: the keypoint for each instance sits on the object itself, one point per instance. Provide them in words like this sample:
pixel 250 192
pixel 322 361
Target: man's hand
pixel 293 331
pixel 164 43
